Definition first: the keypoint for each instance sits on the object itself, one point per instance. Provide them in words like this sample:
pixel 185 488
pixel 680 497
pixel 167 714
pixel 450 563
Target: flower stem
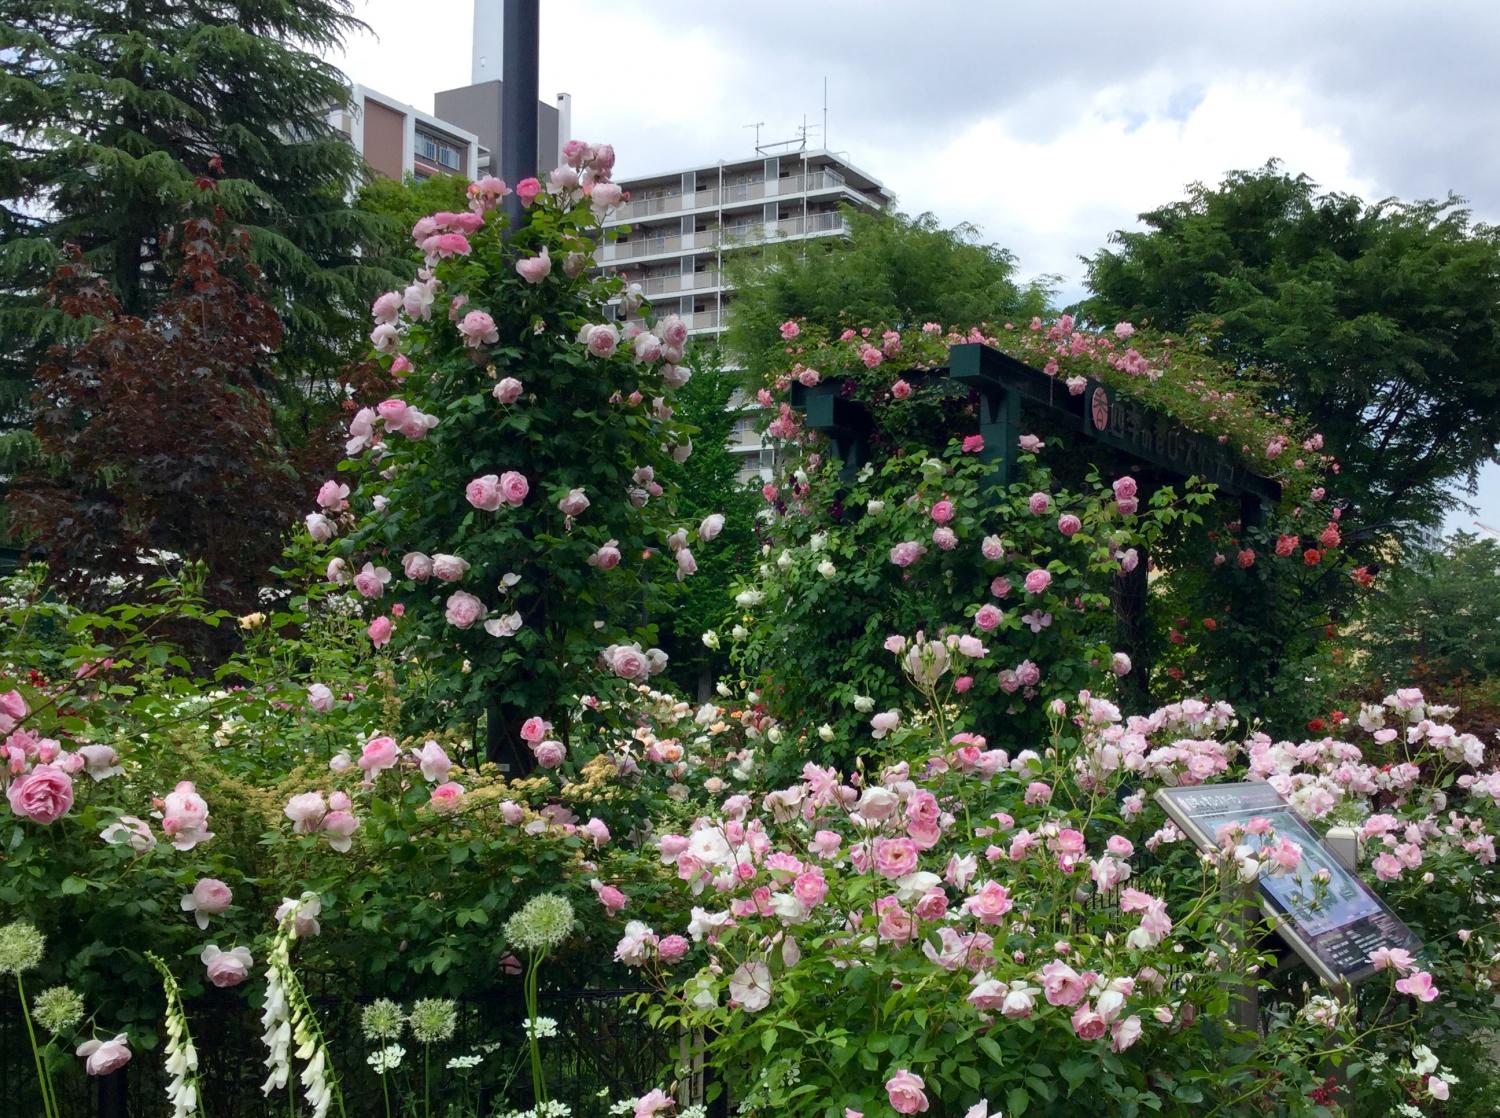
pixel 43 1083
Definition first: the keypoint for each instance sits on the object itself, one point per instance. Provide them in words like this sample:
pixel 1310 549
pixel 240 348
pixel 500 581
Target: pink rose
pixel 906 1093
pixel 1038 581
pixel 901 389
pixel 463 609
pixel 507 390
pixel 386 307
pixel 1068 524
pixel 627 661
pixel 973 444
pixel 1039 503
pixel 602 340
pixel 574 503
pixel 333 496
pixel 371 580
pixel 513 488
pixel 226 968
pixel 607 557
pixel 907 552
pixel 1125 488
pixel 528 188
pixel 895 857
pixel 535 729
pixel 611 898
pixel 43 795
pixel 1062 984
pixel 478 328
pixel 101 1057
pixel 417 566
pixel 185 816
pixel 306 811
pixel 672 948
pixel 989 903
pixel 446 796
pixel 1030 443
pixel 320 698
pixel 988 617
pixel 1088 1023
pixel 449 568
pixel 379 753
pixel 549 754
pixel 380 631
pixel 790 330
pixel 484 493
pixel 434 763
pixel 534 269
pixel 210 897
pixel 942 511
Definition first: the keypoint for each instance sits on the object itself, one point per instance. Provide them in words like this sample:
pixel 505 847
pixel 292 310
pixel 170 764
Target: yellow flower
pixel 252 621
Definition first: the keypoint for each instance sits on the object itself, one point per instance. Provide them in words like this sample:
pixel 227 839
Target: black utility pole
pixel 518 131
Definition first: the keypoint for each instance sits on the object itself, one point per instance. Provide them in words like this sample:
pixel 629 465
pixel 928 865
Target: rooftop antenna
pixel 758 125
pixel 825 111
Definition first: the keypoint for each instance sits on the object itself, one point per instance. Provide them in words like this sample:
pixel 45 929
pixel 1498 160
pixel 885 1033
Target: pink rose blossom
pixel 534 269
pixel 379 753
pixel 988 617
pixel 549 754
pixel 1418 985
pixel 449 568
pixel 478 329
pixel 43 795
pixel 942 511
pixel 210 897
pixel 484 493
pixel 226 969
pixel 416 566
pixel 463 609
pixel 789 330
pixel 1039 503
pixel 1068 524
pixel 905 1092
pixel 1038 580
pixel 507 390
pixel 602 340
pixel 185 816
pixel 103 1057
pixel 514 487
pixel 380 631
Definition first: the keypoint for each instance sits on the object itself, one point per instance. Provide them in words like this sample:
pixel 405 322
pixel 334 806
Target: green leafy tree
pixel 710 483
pixel 891 268
pixel 1378 322
pixel 114 108
pixel 1438 617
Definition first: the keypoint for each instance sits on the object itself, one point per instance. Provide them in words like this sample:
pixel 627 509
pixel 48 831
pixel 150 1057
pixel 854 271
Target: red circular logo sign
pixel 1100 407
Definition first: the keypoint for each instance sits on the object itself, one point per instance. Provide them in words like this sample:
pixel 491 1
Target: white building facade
pixel 681 224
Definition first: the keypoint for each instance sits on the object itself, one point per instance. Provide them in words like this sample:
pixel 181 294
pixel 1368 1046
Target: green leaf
pixel 73 885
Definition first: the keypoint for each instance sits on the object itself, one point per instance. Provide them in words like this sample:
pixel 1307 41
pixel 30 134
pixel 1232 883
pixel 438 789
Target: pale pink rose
pixel 417 566
pixel 185 816
pixel 1125 1033
pixel 607 557
pixel 1088 1023
pixel 646 347
pixel 989 903
pixel 392 411
pixel 484 493
pixel 549 754
pixel 686 563
pixel 672 948
pixel 507 390
pixel 710 527
pixel 446 796
pixel 226 968
pixel 379 753
pixel 1124 487
pixel 602 340
pixel 534 269
pixel 944 538
pixel 380 631
pixel 1068 524
pixel 942 511
pixel 478 329
pixel 597 831
pixel 1062 984
pixel 611 898
pixel 339 827
pixel 513 488
pixel 895 857
pixel 790 330
pixel 652 1102
pixel 210 897
pixel 535 729
pixel 463 609
pixel 306 811
pixel 905 1092
pixel 907 552
pixel 102 1057
pixel 627 661
pixel 988 617
pixel 1030 443
pixel 371 580
pixel 385 338
pixel 433 762
pixel 320 698
pixel 386 307
pixel 1418 985
pixel 900 389
pixel 100 761
pixel 1039 503
pixel 449 568
pixel 333 496
pixel 319 527
pixel 573 503
pixel 130 831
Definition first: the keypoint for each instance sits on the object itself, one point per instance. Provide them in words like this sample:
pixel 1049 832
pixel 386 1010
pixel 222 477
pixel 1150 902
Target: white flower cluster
pixel 387 1059
pixel 465 1063
pixel 541 1028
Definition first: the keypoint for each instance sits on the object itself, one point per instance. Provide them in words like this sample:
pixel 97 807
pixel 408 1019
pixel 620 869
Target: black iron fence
pixel 604 1051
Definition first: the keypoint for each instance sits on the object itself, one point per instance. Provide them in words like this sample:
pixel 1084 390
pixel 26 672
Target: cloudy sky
pixel 1047 126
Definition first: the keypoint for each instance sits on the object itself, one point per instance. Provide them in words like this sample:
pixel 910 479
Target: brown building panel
pixel 384 130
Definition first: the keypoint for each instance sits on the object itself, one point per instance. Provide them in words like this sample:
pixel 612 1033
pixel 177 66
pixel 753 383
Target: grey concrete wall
pixel 477 108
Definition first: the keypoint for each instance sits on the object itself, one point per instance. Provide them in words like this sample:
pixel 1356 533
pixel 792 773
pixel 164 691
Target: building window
pixel 438 151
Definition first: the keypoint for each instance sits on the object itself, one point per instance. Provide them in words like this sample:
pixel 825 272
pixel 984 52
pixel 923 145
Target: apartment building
pixel 397 139
pixel 682 223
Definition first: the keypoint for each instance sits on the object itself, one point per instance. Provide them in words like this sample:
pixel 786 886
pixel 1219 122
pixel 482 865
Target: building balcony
pixel 641 209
